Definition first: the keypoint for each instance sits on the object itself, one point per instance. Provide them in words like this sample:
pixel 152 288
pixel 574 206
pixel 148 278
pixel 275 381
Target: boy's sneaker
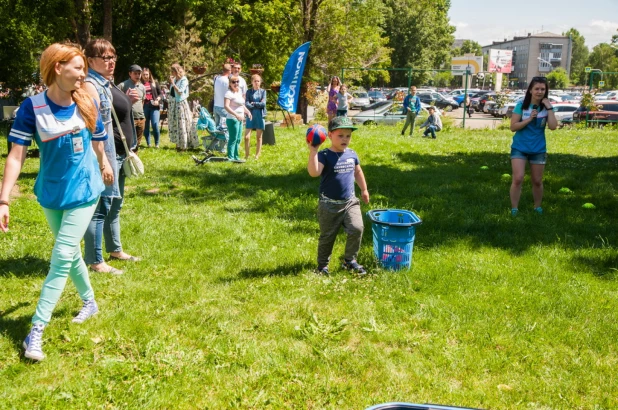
pixel 514 211
pixel 323 270
pixel 34 343
pixel 538 210
pixel 353 266
pixel 89 308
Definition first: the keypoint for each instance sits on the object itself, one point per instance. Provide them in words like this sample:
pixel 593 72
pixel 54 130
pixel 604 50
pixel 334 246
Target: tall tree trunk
pixel 310 13
pixel 81 21
pixel 107 20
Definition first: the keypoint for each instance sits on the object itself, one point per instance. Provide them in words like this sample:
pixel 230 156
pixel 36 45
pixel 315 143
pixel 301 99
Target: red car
pixel 607 113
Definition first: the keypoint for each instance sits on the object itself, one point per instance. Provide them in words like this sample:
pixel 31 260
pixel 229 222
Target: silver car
pixel 360 100
pixel 385 112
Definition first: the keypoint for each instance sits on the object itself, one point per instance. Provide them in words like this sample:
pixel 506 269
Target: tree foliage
pixel 419 34
pixel 558 79
pixel 603 57
pixel 154 33
pixel 579 57
pixel 468 47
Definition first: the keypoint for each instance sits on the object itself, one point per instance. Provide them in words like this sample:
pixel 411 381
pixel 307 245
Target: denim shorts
pixel 536 159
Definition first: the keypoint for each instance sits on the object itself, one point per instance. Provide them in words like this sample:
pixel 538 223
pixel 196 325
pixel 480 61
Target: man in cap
pixel 134 88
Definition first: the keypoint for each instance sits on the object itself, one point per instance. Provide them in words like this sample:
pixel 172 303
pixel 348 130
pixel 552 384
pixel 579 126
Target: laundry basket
pixel 394 231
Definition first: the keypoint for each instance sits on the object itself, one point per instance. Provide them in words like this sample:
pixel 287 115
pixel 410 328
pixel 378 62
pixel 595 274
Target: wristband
pixel 549 109
pixel 4 202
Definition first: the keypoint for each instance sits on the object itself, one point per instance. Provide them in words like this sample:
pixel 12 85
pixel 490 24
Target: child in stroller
pixel 215 141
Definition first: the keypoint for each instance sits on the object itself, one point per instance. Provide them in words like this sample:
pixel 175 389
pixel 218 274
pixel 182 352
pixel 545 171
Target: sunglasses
pixel 234 82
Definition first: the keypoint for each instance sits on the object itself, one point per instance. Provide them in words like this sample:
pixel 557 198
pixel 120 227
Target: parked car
pixel 607 113
pixel 438 100
pixel 613 95
pixel 601 96
pixel 460 91
pixel 385 112
pixel 489 96
pixel 564 111
pixel 375 96
pixel 360 100
pixel 507 110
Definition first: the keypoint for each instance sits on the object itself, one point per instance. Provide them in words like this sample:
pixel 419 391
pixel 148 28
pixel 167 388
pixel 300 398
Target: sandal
pixel 129 259
pixel 109 269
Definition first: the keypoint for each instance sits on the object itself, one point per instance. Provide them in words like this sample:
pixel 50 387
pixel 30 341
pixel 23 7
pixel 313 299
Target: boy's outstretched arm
pixel 362 184
pixel 313 165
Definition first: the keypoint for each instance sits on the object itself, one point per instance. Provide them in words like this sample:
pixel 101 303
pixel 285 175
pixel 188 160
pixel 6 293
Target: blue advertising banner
pixel 292 77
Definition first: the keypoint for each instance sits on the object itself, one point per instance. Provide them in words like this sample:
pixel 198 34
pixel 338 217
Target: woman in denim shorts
pixel 528 122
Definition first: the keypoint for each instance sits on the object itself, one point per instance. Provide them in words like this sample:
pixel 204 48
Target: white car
pixel 612 96
pixel 564 111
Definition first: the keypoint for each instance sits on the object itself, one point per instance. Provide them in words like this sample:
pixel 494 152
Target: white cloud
pixel 460 24
pixel 607 26
pixel 599 31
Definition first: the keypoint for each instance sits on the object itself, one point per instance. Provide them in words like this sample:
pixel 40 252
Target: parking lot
pixel 478 121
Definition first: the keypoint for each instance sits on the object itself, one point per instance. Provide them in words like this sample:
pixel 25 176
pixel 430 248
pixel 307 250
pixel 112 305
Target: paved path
pixel 478 120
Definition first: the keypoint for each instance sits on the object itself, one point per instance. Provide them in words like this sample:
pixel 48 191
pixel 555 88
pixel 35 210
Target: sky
pixel 486 21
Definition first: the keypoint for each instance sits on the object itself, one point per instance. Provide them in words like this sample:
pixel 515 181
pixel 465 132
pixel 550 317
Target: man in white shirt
pixel 221 87
pixel 236 72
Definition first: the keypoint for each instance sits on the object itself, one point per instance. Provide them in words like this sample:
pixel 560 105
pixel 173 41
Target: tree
pixel 28 26
pixel 420 36
pixel 558 78
pixel 603 57
pixel 579 57
pixel 443 79
pixel 468 47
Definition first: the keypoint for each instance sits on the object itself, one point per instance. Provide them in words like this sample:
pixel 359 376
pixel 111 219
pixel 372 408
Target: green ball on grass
pixel 506 176
pixel 484 167
pixel 565 190
pixel 588 205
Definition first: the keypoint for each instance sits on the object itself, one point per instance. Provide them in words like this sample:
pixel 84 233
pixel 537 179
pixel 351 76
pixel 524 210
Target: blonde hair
pixel 61 54
pixel 254 76
pixel 178 68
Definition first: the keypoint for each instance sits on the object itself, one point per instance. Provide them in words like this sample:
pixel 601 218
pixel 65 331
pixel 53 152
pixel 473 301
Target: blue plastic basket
pixel 394 231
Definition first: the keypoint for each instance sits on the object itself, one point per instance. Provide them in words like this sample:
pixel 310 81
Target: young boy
pixel 433 123
pixel 338 167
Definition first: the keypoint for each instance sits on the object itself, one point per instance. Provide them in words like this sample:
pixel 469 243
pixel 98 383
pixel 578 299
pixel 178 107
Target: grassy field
pixel 225 311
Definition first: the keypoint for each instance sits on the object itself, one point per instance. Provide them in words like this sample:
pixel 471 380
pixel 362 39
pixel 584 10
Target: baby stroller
pixel 215 141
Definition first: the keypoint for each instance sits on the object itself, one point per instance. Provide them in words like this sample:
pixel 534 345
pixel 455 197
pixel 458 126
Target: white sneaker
pixel 34 343
pixel 90 308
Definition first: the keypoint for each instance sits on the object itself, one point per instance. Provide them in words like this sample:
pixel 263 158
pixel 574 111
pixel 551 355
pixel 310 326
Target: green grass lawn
pixel 225 311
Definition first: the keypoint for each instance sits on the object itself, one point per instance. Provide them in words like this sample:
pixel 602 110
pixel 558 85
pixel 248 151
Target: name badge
pixel 78 144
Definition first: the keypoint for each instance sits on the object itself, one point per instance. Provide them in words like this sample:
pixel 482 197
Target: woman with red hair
pixel 65 123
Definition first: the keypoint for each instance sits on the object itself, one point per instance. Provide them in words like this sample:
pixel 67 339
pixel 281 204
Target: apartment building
pixel 534 55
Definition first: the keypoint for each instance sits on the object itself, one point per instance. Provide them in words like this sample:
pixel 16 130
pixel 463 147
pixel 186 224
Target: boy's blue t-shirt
pixel 69 174
pixel 531 138
pixel 337 179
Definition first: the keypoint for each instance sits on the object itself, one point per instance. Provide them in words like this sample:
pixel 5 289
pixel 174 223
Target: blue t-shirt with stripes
pixel 69 174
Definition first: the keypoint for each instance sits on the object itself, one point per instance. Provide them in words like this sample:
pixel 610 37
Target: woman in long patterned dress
pixel 180 118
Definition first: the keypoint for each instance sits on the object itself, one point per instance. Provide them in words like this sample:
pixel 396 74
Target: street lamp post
pixel 551 67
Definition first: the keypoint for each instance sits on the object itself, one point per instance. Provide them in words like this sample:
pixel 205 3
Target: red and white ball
pixel 316 135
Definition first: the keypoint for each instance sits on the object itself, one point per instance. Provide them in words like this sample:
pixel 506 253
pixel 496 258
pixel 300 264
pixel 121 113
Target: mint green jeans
pixel 68 227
